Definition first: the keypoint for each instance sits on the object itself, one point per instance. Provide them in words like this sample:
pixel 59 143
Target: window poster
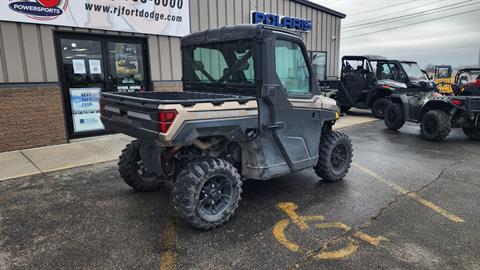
pixel 79 66
pixel 86 109
pixel 95 66
pixel 126 59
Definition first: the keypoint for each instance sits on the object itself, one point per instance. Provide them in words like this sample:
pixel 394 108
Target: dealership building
pixel 57 56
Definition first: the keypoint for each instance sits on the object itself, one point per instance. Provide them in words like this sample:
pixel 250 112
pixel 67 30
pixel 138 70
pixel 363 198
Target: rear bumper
pixel 129 127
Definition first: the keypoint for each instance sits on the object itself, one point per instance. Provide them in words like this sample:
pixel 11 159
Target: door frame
pixel 104 39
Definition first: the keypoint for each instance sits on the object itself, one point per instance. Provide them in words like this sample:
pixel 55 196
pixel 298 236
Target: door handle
pixel 277 125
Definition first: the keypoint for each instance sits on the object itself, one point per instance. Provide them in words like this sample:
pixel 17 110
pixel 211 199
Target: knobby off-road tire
pixel 472 133
pixel 207 192
pixel 394 117
pixel 134 173
pixel 435 125
pixel 335 156
pixel 379 106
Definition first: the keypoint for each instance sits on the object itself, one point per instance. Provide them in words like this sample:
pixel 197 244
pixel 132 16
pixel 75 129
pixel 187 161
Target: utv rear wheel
pixel 207 192
pixel 394 118
pixel 133 171
pixel 379 106
pixel 335 156
pixel 436 125
pixel 472 133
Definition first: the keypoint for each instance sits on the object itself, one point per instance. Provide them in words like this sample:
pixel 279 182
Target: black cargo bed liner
pixel 186 98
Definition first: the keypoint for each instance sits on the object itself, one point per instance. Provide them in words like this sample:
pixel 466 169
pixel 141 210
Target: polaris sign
pixel 281 21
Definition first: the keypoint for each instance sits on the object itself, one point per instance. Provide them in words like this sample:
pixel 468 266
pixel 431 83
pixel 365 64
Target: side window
pixel 319 63
pixel 291 67
pixel 384 72
pixel 397 73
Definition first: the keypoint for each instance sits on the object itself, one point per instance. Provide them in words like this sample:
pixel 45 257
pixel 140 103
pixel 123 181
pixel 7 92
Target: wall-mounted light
pixel 334 37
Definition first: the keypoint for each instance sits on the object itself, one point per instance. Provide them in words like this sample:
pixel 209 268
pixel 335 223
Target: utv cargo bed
pixel 143 115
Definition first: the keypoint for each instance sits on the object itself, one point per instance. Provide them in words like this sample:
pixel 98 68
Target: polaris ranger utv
pixel 250 109
pixel 436 113
pixel 365 82
pixel 368 81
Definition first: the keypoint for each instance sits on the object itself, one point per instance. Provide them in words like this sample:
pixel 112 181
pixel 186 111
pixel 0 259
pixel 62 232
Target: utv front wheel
pixel 472 133
pixel 133 171
pixel 335 156
pixel 379 106
pixel 207 192
pixel 436 125
pixel 394 118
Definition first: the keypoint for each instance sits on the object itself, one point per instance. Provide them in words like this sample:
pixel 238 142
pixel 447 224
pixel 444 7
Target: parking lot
pixel 406 203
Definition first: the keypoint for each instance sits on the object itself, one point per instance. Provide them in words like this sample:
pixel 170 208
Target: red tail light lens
pixel 166 119
pixel 457 102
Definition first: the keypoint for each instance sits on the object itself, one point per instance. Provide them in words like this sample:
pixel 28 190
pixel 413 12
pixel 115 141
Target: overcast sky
pixel 451 40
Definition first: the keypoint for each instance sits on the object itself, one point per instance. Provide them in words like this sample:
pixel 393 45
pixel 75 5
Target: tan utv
pixel 250 109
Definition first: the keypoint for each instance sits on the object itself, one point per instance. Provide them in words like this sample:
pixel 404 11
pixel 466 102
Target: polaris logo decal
pixel 281 21
pixel 40 9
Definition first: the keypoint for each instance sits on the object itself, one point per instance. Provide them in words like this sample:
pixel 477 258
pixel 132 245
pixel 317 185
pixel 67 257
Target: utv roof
pixel 408 61
pixel 368 57
pixel 232 32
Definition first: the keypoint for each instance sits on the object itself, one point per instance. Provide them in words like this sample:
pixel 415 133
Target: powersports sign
pixel 159 17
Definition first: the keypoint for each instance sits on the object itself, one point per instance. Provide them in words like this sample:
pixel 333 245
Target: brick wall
pixel 31 116
pixel 167 86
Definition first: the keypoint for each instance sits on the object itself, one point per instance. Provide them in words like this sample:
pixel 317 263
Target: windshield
pixel 414 72
pixel 468 77
pixel 220 63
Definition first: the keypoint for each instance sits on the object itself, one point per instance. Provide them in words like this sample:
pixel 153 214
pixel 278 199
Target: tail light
pixel 166 119
pixel 457 102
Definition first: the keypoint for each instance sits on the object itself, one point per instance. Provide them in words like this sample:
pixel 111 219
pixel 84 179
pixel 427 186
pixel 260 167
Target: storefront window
pixel 319 63
pixel 82 62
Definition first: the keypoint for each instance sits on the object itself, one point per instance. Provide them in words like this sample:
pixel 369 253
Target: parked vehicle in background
pixel 443 78
pixel 250 109
pixel 436 113
pixel 365 82
pixel 467 82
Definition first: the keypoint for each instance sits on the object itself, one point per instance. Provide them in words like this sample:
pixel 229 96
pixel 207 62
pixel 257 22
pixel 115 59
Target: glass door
pixel 91 64
pixel 84 78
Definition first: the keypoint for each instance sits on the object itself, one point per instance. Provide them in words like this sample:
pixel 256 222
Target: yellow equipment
pixel 443 79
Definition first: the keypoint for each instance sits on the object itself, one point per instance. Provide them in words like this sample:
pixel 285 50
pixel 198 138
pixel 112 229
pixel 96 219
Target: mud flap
pixel 152 158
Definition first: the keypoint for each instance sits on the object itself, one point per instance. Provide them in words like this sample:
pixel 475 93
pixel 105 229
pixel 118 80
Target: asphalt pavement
pixel 405 204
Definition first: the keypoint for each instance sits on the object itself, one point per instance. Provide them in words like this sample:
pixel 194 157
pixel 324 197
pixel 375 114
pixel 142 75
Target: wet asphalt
pixel 86 218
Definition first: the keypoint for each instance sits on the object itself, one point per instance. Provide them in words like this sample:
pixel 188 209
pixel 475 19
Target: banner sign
pixel 158 17
pixel 86 109
pixel 281 21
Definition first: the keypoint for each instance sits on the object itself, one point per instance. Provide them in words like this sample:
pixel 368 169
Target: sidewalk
pixel 90 151
pixel 59 157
